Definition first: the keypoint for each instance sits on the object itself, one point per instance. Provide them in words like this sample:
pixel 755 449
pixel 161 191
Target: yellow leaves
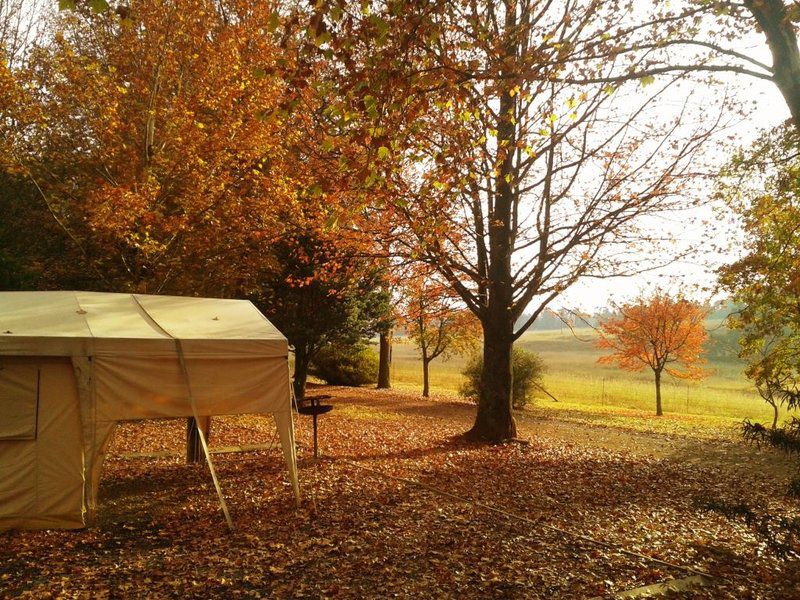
pixel 647 80
pixel 514 91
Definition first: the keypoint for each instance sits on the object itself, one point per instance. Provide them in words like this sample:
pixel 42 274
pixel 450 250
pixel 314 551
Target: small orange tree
pixel 663 333
pixel 435 322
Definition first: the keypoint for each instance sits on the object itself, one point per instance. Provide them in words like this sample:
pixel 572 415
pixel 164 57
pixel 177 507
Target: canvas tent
pixel 73 364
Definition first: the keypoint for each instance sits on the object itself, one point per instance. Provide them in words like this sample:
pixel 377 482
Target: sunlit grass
pixel 591 392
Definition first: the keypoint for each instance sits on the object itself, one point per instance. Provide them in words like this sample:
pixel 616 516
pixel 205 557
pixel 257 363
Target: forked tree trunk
pixel 385 362
pixel 659 412
pixel 426 389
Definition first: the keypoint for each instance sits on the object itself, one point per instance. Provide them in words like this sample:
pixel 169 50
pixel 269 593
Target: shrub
pixel 527 367
pixel 346 365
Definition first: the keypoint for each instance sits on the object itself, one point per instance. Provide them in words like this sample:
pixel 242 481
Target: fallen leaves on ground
pixel 160 532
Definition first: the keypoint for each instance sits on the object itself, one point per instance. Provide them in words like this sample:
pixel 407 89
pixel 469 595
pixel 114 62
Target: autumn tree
pixel 435 323
pixel 157 152
pixel 658 332
pixel 508 134
pixel 317 290
pixel 174 137
pixel 762 188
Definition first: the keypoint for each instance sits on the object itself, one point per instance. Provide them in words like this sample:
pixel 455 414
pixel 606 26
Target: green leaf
pixel 647 80
pixel 274 21
pixel 66 4
pixel 384 153
pixel 98 6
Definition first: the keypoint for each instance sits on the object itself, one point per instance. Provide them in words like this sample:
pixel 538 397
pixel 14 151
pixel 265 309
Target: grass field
pixel 601 392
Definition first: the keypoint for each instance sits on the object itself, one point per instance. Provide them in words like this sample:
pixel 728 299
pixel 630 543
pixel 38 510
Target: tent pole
pixel 202 435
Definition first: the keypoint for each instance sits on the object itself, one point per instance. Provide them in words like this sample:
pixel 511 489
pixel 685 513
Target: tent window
pixel 19 401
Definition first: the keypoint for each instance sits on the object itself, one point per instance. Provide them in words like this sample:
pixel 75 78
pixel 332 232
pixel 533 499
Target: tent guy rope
pixel 193 405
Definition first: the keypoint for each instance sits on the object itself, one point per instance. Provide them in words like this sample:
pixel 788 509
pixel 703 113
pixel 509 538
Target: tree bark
pixel 385 361
pixel 773 19
pixel 194 449
pixel 426 390
pixel 301 360
pixel 774 414
pixel 495 422
pixel 659 412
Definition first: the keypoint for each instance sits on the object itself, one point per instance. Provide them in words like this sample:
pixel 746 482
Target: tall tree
pixel 516 168
pixel 661 333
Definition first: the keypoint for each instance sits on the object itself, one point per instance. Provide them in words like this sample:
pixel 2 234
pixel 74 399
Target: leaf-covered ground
pixel 359 534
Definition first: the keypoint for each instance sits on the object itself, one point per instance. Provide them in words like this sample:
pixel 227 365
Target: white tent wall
pixel 153 387
pixel 125 357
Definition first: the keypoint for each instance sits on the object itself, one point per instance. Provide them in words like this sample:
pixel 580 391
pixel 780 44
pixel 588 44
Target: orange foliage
pixel 176 143
pixel 659 332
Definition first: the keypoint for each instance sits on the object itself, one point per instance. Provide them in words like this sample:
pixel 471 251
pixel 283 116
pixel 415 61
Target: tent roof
pixel 70 323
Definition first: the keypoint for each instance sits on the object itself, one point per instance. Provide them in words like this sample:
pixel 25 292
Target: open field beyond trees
pixel 587 511
pixel 592 392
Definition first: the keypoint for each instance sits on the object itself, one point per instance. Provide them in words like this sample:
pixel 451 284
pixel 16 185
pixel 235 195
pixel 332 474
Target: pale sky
pixel 766 109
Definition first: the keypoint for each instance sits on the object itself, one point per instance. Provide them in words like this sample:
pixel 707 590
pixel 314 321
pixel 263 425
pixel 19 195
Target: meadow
pixel 589 391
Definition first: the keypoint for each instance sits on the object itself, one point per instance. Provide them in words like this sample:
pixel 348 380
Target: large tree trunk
pixel 385 364
pixel 194 449
pixel 778 28
pixel 495 421
pixel 426 388
pixel 301 360
pixel 659 412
